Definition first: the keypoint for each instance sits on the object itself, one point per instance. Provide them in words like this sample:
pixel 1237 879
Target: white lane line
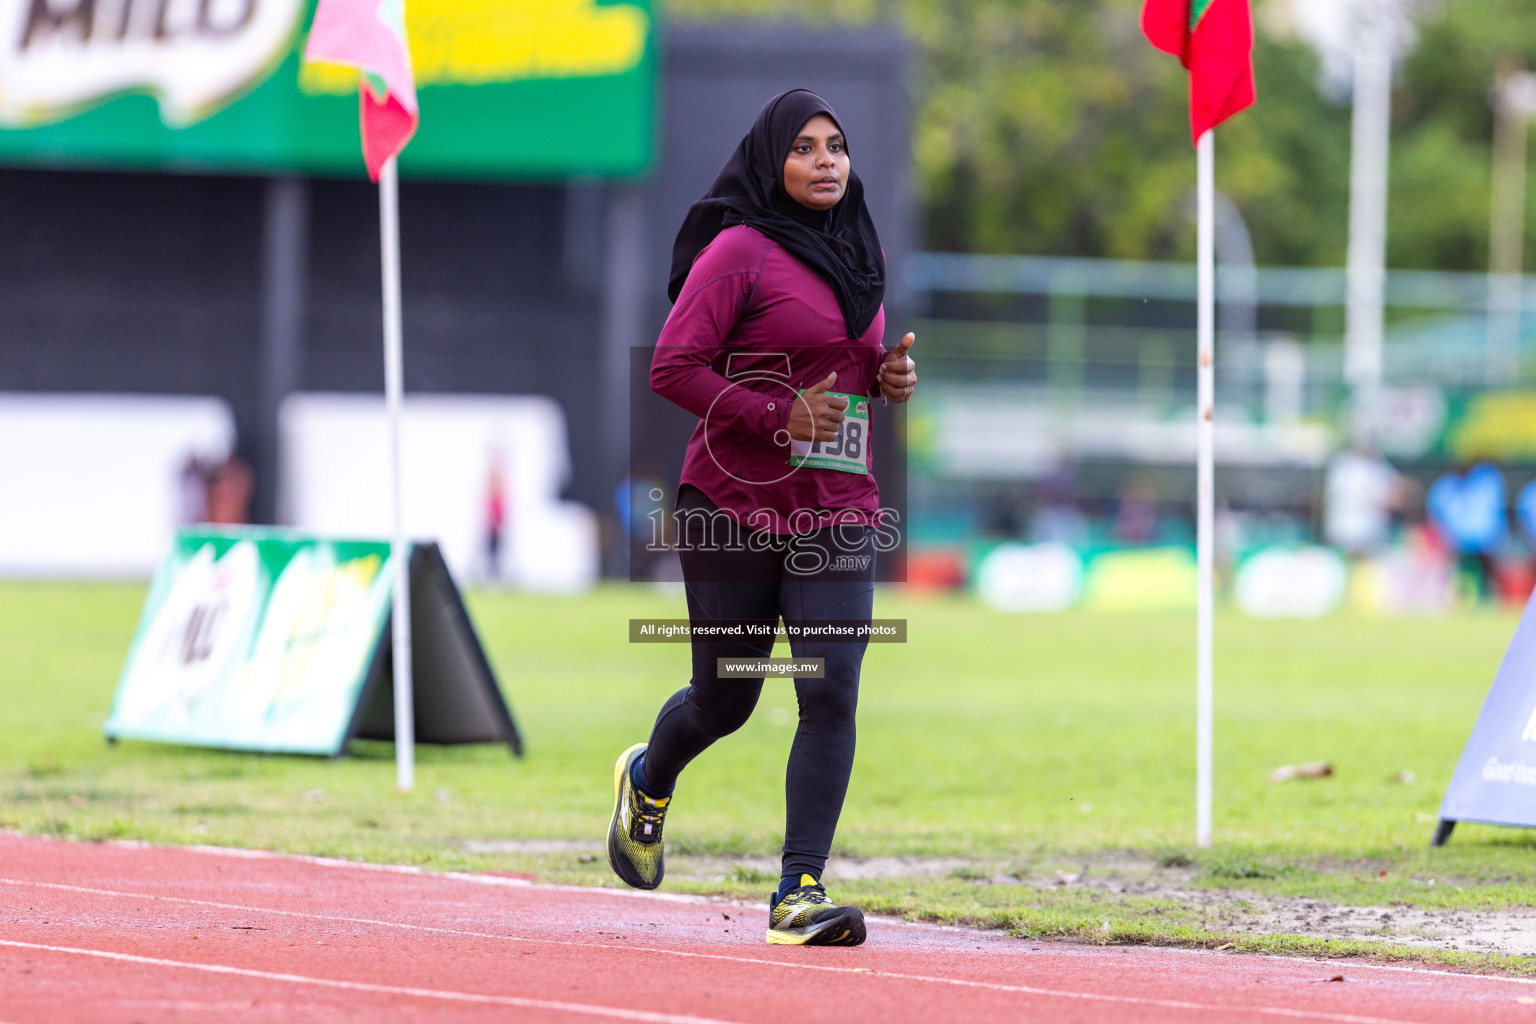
pixel 588 890
pixel 612 1012
pixel 687 954
pixel 1173 1004
pixel 245 853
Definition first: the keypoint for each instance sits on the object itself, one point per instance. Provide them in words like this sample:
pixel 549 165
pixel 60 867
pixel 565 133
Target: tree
pixel 1047 126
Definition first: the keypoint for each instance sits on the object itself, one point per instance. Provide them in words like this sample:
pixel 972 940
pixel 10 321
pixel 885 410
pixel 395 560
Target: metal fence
pixel 1125 330
pixel 1041 368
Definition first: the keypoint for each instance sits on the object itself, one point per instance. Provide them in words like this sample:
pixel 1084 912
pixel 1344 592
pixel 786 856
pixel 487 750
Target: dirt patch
pixel 1243 912
pixel 1481 931
pixel 1506 931
pixel 1237 911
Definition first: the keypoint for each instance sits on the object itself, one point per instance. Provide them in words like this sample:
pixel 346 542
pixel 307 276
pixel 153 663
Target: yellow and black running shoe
pixel 804 916
pixel 634 834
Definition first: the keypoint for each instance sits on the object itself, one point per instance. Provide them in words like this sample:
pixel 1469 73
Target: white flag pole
pixel 394 386
pixel 1204 478
pixel 1369 149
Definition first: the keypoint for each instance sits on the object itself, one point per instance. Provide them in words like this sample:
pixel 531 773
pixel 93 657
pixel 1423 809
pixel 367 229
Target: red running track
pixel 125 933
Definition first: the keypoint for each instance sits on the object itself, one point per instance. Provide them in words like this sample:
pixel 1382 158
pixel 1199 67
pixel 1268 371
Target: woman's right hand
pixel 816 415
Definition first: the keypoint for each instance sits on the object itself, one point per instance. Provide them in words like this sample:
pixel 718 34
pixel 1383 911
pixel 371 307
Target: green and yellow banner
pixel 255 640
pixel 507 88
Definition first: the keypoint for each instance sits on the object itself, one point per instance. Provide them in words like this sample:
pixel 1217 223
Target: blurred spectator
pixel 642 504
pixel 495 516
pixel 1525 511
pixel 192 490
pixel 1416 578
pixel 1136 516
pixel 229 492
pixel 1360 491
pixel 1007 513
pixel 1057 519
pixel 1231 530
pixel 1468 510
pixel 1517 577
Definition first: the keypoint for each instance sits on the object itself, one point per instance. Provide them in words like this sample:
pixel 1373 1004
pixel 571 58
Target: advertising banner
pixel 1494 780
pixel 1435 423
pixel 508 88
pixel 258 639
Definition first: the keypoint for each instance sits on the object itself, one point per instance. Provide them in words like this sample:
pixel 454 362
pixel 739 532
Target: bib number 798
pixel 846 452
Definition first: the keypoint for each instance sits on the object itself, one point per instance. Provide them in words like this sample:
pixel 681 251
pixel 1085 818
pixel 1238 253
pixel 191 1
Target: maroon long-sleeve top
pixel 752 326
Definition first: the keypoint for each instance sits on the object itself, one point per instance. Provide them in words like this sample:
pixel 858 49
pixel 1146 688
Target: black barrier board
pixel 455 697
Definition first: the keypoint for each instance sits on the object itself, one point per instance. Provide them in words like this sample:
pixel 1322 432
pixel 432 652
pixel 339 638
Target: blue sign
pixel 1495 780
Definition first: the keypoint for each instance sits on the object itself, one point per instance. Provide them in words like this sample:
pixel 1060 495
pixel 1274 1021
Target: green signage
pixel 507 88
pixel 254 640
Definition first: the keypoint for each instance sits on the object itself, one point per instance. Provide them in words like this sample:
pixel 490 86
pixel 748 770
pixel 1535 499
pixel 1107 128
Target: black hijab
pixel 840 243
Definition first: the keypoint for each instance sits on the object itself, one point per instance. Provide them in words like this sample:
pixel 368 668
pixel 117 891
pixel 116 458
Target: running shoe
pixel 634 834
pixel 804 916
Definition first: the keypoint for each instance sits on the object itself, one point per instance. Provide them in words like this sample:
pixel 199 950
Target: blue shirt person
pixel 1468 509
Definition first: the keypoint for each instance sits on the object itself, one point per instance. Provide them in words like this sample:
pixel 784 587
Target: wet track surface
pixel 124 933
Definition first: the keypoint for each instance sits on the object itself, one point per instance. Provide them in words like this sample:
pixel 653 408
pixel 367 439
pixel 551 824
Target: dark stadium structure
pixel 250 288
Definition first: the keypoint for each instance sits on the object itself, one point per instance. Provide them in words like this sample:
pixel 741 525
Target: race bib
pixel 845 452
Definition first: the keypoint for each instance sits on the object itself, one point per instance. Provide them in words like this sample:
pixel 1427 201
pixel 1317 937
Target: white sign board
pixel 468 461
pixel 91 485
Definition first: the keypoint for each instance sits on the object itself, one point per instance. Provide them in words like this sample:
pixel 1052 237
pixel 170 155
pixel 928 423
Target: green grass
pixel 1022 743
pixel 1108 918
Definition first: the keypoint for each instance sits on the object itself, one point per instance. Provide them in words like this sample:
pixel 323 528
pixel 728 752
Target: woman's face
pixel 816 170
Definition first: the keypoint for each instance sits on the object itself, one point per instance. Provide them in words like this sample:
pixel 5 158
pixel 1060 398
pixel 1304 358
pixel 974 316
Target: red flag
pixel 1213 39
pixel 370 35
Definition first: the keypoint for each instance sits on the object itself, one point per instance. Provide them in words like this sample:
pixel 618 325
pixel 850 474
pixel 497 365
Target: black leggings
pixel 831 578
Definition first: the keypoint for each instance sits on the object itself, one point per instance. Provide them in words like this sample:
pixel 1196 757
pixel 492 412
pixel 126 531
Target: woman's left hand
pixel 898 374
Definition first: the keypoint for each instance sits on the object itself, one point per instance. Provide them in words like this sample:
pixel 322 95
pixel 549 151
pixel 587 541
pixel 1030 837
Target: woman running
pixel 774 342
